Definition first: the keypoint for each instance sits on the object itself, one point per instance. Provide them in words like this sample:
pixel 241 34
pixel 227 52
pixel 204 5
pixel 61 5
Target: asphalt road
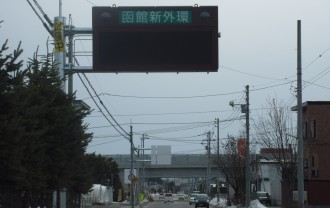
pixel 155 204
pixel 175 204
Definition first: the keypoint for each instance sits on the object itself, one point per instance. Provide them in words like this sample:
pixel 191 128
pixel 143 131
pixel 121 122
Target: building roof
pixel 294 108
pixel 274 150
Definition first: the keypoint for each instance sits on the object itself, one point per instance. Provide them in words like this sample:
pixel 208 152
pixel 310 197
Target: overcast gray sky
pixel 257 48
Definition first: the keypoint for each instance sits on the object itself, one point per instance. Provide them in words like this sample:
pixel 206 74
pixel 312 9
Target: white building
pixel 267 179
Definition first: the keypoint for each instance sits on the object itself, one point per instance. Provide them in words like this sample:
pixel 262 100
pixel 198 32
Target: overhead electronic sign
pixel 155 39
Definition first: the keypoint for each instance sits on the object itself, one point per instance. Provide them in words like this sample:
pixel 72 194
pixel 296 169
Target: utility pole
pixel 300 166
pixel 59 46
pixel 218 158
pixel 247 150
pixel 70 59
pixel 208 161
pixel 245 108
pixel 132 194
pixel 143 170
pixel 143 178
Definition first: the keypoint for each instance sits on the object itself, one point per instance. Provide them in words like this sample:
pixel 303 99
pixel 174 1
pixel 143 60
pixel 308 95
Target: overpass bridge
pixel 183 166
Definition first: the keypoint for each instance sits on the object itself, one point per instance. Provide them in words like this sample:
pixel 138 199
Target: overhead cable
pixel 171 97
pixel 254 75
pixel 44 23
pixel 44 14
pixel 104 106
pixel 125 136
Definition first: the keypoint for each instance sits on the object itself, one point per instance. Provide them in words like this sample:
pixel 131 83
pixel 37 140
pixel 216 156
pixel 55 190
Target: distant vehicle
pixel 161 196
pixel 263 197
pixel 202 200
pixel 168 197
pixel 192 199
pixel 180 196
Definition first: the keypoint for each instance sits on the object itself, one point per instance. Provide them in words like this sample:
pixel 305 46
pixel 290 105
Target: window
pixel 315 173
pixel 313 129
pixel 305 130
pixel 306 163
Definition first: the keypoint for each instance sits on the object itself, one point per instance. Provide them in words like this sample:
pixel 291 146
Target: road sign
pixel 135 179
pixel 131 176
pixel 155 39
pixel 241 147
pixel 155 17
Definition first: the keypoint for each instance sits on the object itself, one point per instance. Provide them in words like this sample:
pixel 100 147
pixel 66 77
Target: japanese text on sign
pixel 58 39
pixel 155 17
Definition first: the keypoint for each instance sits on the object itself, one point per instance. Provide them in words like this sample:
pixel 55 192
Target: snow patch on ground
pixel 223 204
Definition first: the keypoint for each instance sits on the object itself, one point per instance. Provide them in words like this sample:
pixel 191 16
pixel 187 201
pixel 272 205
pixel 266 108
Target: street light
pixel 245 109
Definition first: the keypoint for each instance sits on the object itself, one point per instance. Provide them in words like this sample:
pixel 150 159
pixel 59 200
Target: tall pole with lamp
pixel 246 109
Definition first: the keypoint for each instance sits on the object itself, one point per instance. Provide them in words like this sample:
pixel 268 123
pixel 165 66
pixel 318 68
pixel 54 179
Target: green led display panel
pixel 155 39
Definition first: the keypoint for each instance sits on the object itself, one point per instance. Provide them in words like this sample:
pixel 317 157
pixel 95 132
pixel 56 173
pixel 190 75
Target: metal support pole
pixel 132 194
pixel 60 8
pixel 247 151
pixel 208 161
pixel 218 158
pixel 59 45
pixel 300 167
pixel 143 169
pixel 70 52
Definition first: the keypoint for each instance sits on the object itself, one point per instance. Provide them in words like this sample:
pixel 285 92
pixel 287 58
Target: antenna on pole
pixel 60 8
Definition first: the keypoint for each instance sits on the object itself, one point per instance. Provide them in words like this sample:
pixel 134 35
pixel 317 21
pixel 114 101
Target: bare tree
pixel 232 166
pixel 274 132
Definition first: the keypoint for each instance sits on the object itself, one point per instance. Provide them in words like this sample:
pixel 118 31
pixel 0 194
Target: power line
pixel 185 97
pixel 318 57
pixel 177 138
pixel 91 2
pixel 229 119
pixel 161 114
pixel 254 75
pixel 42 21
pixel 263 88
pixel 101 109
pixel 104 106
pixel 312 82
pixel 166 97
pixel 43 13
pixel 318 76
pixel 102 143
pixel 177 128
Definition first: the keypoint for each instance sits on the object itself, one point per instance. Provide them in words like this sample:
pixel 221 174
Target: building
pixel 268 178
pixel 316 134
pixel 316 137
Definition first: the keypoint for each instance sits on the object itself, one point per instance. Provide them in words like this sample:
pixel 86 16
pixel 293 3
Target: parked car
pixel 168 197
pixel 202 200
pixel 192 199
pixel 161 196
pixel 263 197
